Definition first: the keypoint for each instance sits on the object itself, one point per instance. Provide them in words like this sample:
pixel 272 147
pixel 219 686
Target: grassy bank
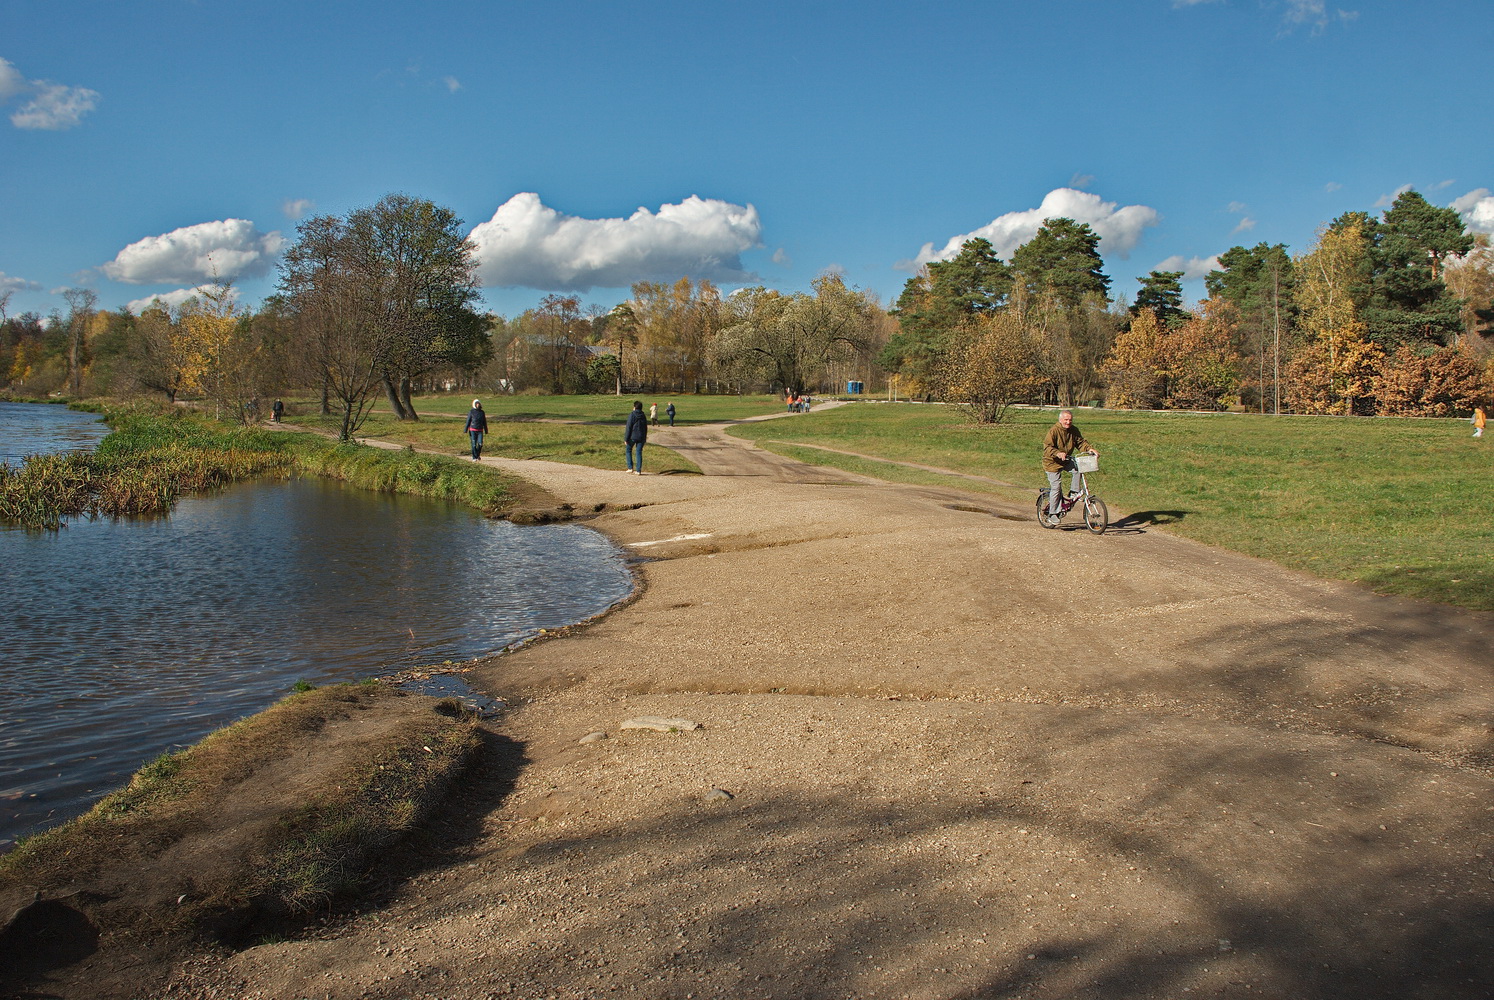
pixel 1389 503
pixel 153 456
pixel 220 839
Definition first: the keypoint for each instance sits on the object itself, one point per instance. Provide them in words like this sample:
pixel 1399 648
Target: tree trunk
pixel 404 395
pixel 392 394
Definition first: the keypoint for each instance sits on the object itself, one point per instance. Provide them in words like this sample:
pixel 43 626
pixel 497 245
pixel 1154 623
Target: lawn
pixel 1384 502
pixel 581 430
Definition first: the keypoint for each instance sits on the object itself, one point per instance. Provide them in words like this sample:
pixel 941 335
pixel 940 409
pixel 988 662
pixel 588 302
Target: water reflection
pixel 125 639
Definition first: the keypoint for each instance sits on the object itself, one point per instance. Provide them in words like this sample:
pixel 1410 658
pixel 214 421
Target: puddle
pixel 454 686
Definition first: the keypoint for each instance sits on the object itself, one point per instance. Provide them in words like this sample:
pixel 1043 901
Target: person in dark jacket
pixel 669 412
pixel 634 435
pixel 477 426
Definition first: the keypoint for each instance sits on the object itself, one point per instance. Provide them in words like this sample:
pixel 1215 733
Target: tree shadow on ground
pixel 815 896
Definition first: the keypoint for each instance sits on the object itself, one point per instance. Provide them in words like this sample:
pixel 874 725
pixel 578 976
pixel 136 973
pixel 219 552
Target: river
pixel 128 638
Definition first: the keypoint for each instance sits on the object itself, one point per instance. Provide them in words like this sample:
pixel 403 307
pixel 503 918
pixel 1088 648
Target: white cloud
pixel 1081 180
pixel 10 284
pixel 1477 209
pixel 1333 186
pixel 212 251
pixel 296 208
pixel 52 106
pixel 173 299
pixel 1315 13
pixel 1245 226
pixel 55 107
pixel 11 81
pixel 1193 268
pixel 452 83
pixel 526 244
pixel 781 258
pixel 1119 229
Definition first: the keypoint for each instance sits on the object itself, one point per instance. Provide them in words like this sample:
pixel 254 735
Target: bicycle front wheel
pixel 1042 510
pixel 1096 517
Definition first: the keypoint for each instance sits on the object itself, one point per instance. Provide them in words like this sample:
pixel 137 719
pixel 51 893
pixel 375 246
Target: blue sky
pixel 147 144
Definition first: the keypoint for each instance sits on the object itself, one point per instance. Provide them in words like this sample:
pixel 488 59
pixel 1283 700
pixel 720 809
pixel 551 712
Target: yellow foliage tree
pixel 1133 369
pixel 1336 371
pixel 994 362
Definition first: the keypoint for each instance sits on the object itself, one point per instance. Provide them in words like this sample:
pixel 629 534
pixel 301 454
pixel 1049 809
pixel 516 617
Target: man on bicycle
pixel 1064 438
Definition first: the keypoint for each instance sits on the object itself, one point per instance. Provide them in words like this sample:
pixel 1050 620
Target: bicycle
pixel 1096 515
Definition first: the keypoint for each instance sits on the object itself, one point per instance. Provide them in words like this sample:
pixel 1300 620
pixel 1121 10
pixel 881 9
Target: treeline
pixel 379 304
pixel 1380 316
pixel 1389 315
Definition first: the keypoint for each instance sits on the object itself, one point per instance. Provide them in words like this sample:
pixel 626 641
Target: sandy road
pixel 944 753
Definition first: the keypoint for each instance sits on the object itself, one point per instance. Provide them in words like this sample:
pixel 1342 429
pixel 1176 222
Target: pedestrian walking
pixel 635 435
pixel 669 412
pixel 477 426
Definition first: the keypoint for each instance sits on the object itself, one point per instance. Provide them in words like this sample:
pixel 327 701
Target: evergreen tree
pixel 1409 302
pixel 1064 258
pixel 1162 295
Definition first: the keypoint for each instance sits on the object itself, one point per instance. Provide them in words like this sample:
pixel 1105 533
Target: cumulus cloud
pixel 212 251
pixel 174 299
pixel 1477 209
pixel 10 284
pixel 296 208
pixel 1193 268
pixel 1119 228
pixel 51 106
pixel 526 244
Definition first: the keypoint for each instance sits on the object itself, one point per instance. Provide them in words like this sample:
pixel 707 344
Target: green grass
pixel 1389 503
pixel 579 430
pixel 153 456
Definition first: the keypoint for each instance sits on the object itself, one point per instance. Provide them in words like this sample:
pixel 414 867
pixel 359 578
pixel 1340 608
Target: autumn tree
pixel 81 308
pixel 1200 362
pixel 1335 371
pixel 995 361
pixel 218 356
pixel 1470 277
pixel 1259 283
pixel 1133 371
pixel 790 340
pixel 1441 383
pixel 157 357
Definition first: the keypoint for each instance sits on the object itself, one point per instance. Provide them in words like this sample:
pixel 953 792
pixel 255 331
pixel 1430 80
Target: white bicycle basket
pixel 1087 463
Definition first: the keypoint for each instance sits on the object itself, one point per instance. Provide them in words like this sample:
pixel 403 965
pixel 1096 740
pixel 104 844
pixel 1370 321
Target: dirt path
pixel 942 753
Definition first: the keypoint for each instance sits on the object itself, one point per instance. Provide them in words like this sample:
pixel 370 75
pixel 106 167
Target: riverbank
pixel 941 753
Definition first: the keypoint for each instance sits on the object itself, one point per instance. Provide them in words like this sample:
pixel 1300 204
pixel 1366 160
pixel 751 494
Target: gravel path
pixel 942 753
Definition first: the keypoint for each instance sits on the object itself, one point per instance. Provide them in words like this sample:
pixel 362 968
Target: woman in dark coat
pixel 477 426
pixel 634 435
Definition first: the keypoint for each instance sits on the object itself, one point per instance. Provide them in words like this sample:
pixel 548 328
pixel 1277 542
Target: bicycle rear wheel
pixel 1096 517
pixel 1042 509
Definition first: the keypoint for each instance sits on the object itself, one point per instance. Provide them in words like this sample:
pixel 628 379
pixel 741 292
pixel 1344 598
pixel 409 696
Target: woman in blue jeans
pixel 477 426
pixel 634 435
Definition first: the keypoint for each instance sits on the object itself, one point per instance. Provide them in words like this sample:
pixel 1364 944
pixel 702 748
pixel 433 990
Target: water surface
pixel 125 639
